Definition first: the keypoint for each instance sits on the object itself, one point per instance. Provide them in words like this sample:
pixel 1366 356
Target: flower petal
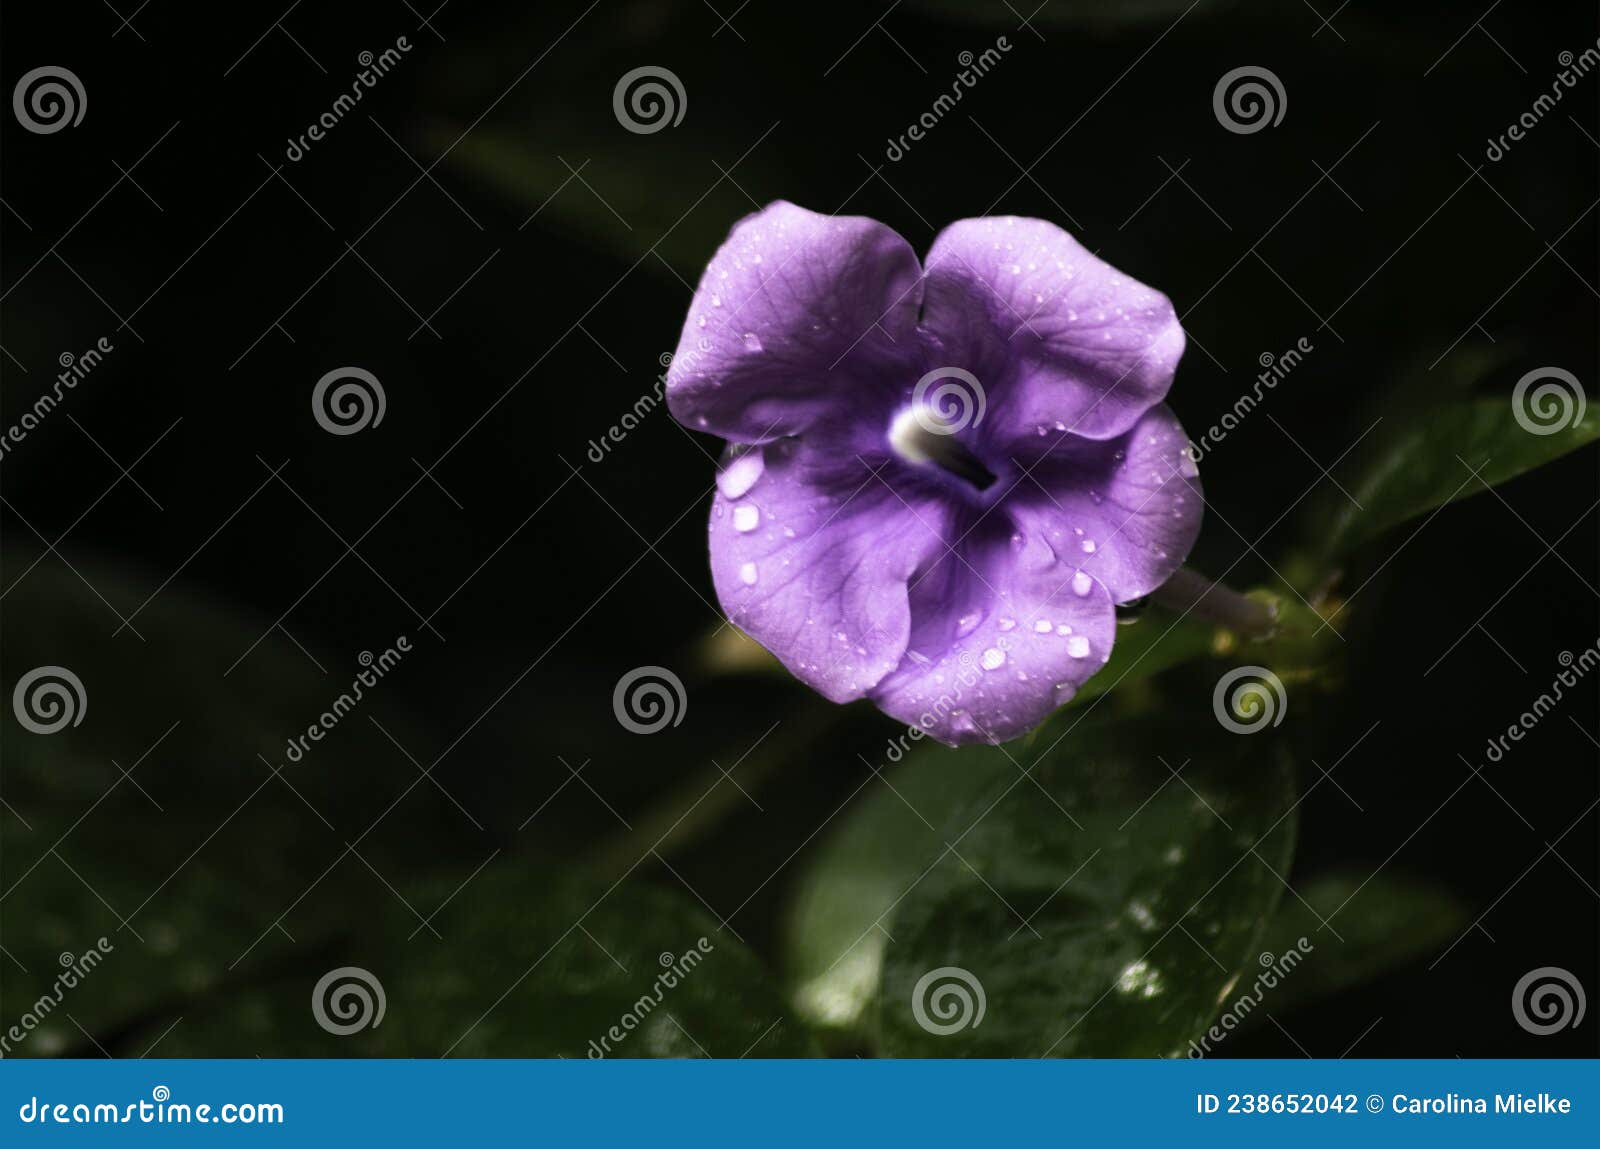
pixel 1125 512
pixel 796 316
pixel 811 557
pixel 1096 347
pixel 1003 637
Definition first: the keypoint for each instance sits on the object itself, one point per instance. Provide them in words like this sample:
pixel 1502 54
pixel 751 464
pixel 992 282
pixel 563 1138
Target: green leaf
pixel 834 945
pixel 1158 640
pixel 85 980
pixel 524 967
pixel 158 822
pixel 1427 460
pixel 259 688
pixel 1384 922
pixel 1104 906
pixel 1154 641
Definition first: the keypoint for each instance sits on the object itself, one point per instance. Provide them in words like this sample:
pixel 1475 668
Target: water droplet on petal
pixel 1088 546
pixel 746 517
pixel 992 659
pixel 741 474
pixel 752 341
pixel 1078 646
pixel 1082 584
pixel 968 623
pixel 747 574
pixel 1186 465
pixel 1042 626
pixel 1007 623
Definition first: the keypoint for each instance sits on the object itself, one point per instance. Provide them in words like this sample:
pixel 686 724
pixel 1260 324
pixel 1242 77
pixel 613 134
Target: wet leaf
pixel 1104 907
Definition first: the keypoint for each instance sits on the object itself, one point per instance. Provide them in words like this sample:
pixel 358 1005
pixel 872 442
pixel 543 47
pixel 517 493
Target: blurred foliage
pixel 603 961
pixel 1372 924
pixel 1454 451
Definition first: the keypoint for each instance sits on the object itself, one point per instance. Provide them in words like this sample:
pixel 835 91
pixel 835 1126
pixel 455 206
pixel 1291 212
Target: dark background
pixel 230 280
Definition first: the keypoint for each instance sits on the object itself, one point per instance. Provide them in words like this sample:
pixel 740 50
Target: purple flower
pixel 940 478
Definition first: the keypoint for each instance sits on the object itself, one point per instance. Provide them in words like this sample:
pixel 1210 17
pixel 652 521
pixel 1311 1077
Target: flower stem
pixel 1191 592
